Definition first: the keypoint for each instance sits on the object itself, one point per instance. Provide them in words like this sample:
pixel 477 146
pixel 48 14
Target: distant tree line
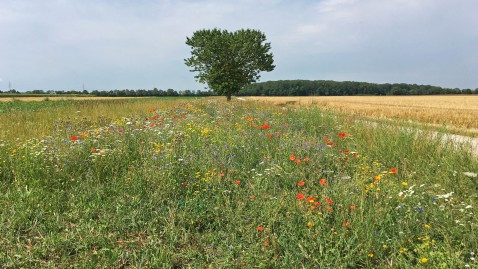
pixel 117 93
pixel 277 88
pixel 335 88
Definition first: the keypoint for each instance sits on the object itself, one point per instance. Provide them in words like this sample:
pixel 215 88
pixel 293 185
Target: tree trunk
pixel 228 97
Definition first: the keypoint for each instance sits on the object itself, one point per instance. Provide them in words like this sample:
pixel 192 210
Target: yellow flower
pixel 384 246
pixel 427 226
pixel 310 224
pixel 370 255
pixel 424 260
pixel 404 183
pixel 403 250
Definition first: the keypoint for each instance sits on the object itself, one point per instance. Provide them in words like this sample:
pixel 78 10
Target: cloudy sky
pixel 126 44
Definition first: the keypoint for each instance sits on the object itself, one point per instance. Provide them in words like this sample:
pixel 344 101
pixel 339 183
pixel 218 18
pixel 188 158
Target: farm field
pixel 455 113
pixel 202 183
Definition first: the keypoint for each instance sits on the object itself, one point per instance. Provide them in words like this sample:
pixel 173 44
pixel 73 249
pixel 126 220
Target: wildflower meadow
pixel 204 183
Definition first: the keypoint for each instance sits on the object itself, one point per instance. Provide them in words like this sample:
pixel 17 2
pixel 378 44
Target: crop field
pixel 205 183
pixel 456 113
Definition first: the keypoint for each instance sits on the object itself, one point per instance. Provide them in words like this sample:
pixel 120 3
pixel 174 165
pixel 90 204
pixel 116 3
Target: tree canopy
pixel 228 61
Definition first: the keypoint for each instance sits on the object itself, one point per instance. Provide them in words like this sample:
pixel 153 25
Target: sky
pixel 140 44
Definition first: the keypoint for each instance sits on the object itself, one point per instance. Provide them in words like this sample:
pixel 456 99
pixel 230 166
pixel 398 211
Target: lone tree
pixel 226 61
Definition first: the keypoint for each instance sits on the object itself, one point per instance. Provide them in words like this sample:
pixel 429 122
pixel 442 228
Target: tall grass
pixel 202 183
pixel 25 120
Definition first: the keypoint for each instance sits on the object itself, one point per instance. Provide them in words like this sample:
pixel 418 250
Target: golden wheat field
pixel 457 113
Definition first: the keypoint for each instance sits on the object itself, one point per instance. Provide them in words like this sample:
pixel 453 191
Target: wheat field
pixel 458 113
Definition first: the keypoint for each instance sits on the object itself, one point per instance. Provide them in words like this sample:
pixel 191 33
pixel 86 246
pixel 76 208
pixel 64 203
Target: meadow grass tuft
pixel 204 183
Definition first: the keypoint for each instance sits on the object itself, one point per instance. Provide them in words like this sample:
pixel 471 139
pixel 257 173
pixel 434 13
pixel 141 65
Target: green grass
pixel 203 183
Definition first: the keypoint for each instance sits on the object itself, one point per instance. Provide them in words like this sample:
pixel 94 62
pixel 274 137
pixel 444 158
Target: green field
pixel 201 183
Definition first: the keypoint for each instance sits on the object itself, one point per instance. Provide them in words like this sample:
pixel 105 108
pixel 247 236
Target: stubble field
pixel 201 183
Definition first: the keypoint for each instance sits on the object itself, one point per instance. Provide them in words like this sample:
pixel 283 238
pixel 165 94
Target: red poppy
pixel 393 170
pixel 270 136
pixel 342 134
pixel 310 199
pixel 265 126
pixel 74 138
pixel 352 207
pixel 260 228
pixel 292 157
pixel 252 197
pixel 300 183
pixel 300 196
pixel 297 160
pixel 323 182
pixel 331 144
pixel 328 200
pixel 237 182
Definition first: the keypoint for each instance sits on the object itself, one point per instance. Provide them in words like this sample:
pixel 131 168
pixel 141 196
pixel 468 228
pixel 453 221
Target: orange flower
pixel 292 157
pixel 323 182
pixel 297 160
pixel 306 159
pixel 310 199
pixel 300 196
pixel 328 200
pixel 260 228
pixel 393 170
pixel 352 207
pixel 237 182
pixel 300 183
pixel 252 197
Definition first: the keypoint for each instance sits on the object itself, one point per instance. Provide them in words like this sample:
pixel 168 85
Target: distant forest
pixel 335 88
pixel 277 88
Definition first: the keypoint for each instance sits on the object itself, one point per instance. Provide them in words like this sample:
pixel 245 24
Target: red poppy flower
pixel 328 200
pixel 265 126
pixel 331 144
pixel 300 183
pixel 292 157
pixel 237 182
pixel 260 228
pixel 300 196
pixel 297 160
pixel 323 182
pixel 342 134
pixel 310 199
pixel 393 170
pixel 74 138
pixel 352 207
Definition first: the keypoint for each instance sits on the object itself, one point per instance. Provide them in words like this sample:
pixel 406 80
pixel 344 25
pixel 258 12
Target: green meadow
pixel 205 183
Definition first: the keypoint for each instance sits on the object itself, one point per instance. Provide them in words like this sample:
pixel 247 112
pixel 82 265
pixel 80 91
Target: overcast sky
pixel 126 44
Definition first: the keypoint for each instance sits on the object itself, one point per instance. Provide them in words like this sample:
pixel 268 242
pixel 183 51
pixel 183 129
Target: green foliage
pixel 202 183
pixel 337 88
pixel 227 61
